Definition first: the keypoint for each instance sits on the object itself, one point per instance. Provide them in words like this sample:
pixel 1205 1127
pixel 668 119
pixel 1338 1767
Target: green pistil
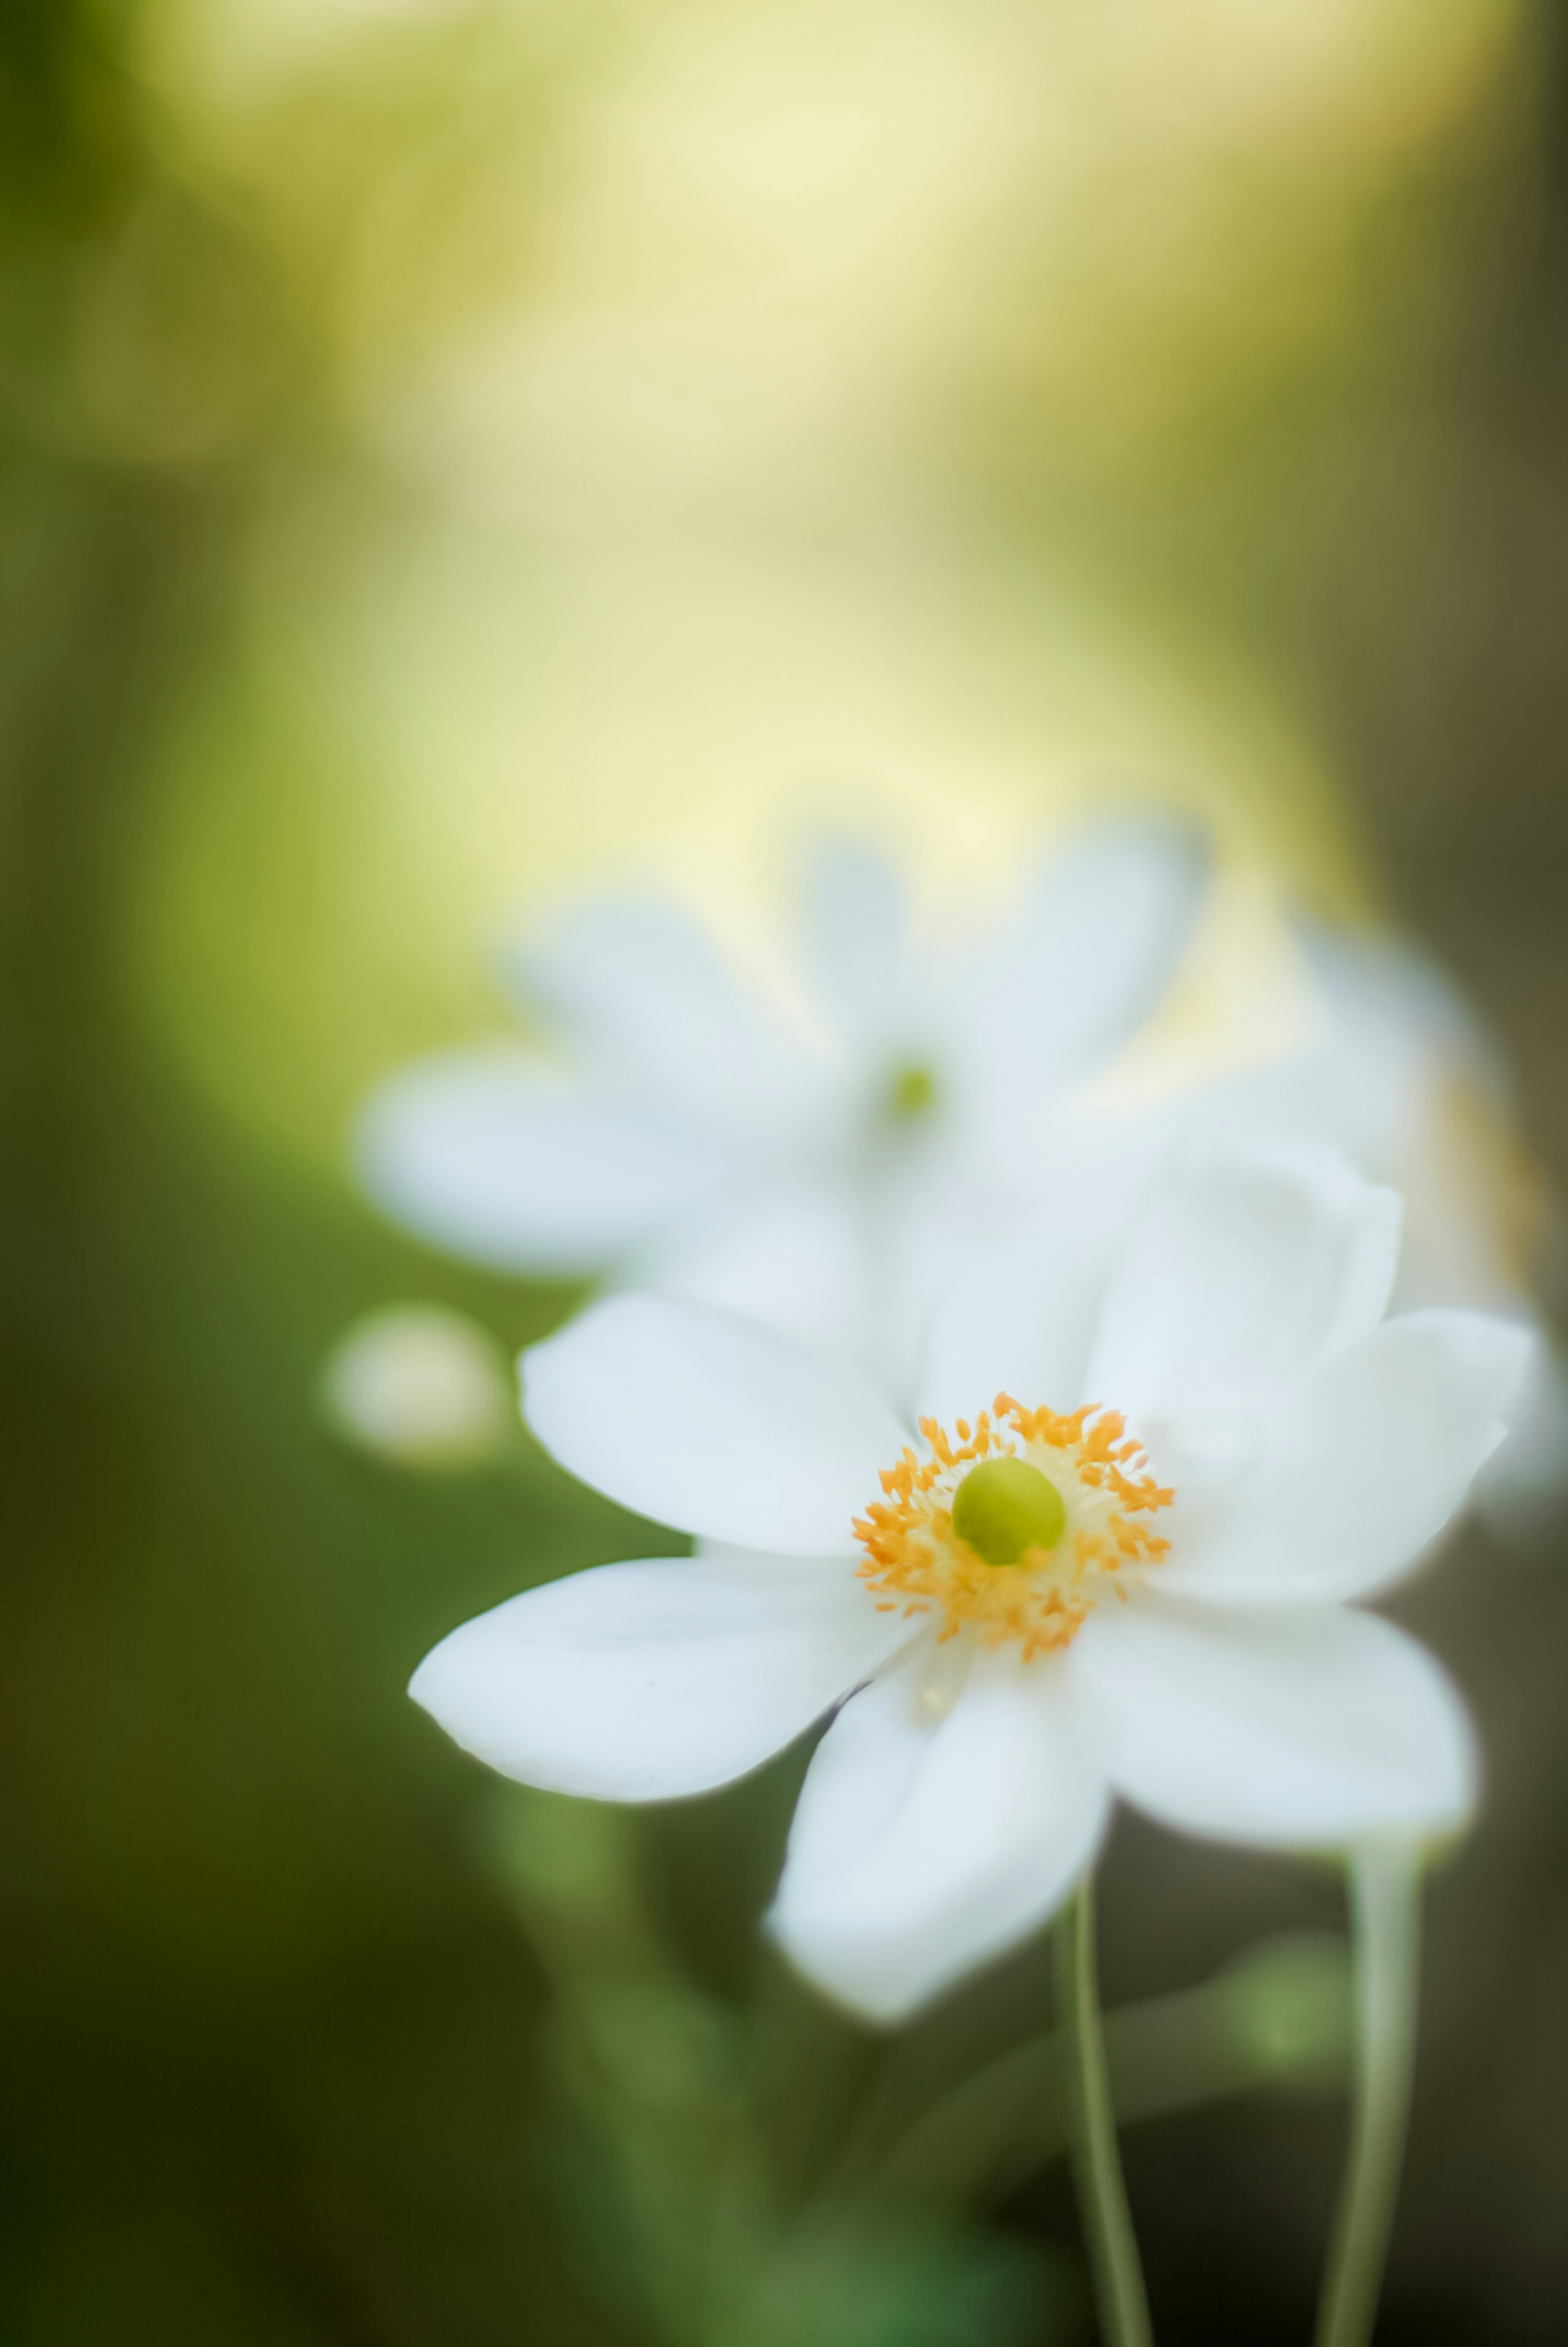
pixel 1005 1508
pixel 911 1093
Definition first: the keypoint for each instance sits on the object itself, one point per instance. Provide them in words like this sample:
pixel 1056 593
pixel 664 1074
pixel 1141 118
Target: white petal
pixel 855 920
pixel 1019 1309
pixel 1401 1077
pixel 795 1260
pixel 1240 1273
pixel 643 1682
pixel 1524 1483
pixel 1097 941
pixel 848 1270
pixel 644 996
pixel 1397 1025
pixel 1301 1730
pixel 703 1420
pixel 1359 1075
pixel 1375 1454
pixel 486 1153
pixel 924 1844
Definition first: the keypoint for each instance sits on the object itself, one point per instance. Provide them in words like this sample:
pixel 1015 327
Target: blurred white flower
pixel 1400 1074
pixel 1035 1611
pixel 685 1139
pixel 421 1385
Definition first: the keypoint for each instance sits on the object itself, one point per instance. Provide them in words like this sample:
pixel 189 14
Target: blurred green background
pixel 448 450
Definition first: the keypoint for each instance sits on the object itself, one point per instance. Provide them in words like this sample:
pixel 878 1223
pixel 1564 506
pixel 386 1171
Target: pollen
pixel 929 1549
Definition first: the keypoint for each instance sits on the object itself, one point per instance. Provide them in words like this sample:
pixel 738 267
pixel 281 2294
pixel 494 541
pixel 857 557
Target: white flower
pixel 1401 1076
pixel 684 1138
pixel 1012 1647
pixel 1398 1073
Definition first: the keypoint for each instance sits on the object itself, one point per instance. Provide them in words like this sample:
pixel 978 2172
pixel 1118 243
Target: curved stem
pixel 1119 2294
pixel 1385 1898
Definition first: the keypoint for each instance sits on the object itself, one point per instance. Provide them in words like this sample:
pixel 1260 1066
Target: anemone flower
pixel 1400 1073
pixel 1113 1560
pixel 680 1135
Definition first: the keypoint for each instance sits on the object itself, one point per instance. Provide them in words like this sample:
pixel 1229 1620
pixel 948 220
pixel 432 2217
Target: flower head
pixel 1015 1530
pixel 682 1135
pixel 1130 1582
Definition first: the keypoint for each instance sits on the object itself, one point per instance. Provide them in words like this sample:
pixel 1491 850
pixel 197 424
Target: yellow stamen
pixel 916 1563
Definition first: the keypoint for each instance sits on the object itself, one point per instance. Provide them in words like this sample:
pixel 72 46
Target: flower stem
pixel 1119 2294
pixel 1385 1900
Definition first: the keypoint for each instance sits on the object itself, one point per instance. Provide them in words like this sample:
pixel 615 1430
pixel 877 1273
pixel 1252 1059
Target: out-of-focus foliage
pixel 445 447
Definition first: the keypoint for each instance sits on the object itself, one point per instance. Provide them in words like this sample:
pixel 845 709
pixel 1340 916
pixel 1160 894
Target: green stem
pixel 1119 2294
pixel 1385 1900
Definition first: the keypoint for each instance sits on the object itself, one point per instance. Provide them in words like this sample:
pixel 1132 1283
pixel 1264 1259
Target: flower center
pixel 1004 1507
pixel 911 1093
pixel 1060 1503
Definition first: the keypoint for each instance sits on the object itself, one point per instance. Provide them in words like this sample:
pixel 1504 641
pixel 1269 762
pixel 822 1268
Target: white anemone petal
pixel 1238 1273
pixel 854 923
pixel 643 996
pixel 1301 1730
pixel 1526 1479
pixel 486 1153
pixel 706 1421
pixel 794 1259
pixel 928 1841
pixel 1374 1456
pixel 1096 941
pixel 1019 1308
pixel 642 1682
